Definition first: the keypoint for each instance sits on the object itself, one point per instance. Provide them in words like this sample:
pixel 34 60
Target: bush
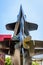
pixel 35 63
pixel 8 61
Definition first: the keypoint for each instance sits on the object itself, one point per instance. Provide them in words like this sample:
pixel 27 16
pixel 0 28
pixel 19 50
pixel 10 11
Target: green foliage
pixel 35 63
pixel 8 61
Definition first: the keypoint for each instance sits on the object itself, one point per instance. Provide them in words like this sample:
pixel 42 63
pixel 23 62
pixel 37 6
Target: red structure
pixel 4 37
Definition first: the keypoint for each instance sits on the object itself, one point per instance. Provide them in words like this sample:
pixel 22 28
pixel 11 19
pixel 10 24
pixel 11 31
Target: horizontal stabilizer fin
pixel 31 26
pixel 11 26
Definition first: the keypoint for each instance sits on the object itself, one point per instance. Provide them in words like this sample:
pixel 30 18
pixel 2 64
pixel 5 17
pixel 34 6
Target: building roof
pixel 4 36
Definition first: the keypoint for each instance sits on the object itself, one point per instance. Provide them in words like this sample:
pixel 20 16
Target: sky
pixel 33 9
